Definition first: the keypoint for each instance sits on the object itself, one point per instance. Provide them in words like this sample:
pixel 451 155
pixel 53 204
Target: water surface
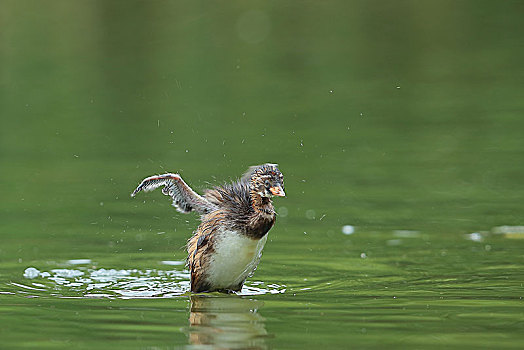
pixel 398 127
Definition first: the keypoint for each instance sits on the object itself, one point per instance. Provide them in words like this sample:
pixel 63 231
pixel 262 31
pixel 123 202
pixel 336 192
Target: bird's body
pixel 232 258
pixel 227 245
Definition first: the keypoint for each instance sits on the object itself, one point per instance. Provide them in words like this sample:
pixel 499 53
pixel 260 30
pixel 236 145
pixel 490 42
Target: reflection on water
pixel 226 322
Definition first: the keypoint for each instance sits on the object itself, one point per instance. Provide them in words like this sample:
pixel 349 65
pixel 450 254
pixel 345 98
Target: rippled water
pixel 397 125
pixel 403 288
pixel 85 282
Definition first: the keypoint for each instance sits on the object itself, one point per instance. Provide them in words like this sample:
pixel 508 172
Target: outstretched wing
pixel 185 199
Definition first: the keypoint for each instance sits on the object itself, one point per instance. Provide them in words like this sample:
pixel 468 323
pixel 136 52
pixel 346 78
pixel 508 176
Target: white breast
pixel 235 258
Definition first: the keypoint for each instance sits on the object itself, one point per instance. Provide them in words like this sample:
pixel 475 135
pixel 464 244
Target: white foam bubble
pixel 31 272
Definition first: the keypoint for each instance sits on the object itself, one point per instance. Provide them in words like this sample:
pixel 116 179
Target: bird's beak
pixel 277 191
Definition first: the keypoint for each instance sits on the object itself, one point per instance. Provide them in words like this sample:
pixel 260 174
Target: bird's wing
pixel 185 199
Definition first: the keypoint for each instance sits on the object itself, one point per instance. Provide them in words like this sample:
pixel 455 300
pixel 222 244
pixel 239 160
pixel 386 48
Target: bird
pixel 236 217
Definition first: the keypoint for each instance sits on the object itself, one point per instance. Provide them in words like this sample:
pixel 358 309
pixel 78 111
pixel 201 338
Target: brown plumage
pixel 235 218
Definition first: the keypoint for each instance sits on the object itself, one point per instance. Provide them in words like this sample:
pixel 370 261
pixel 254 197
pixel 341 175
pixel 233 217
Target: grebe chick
pixel 235 218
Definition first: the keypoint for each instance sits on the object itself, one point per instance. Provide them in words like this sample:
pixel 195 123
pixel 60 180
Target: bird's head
pixel 266 180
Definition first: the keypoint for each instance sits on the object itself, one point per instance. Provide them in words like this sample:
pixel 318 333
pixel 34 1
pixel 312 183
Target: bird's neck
pixel 263 217
pixel 261 205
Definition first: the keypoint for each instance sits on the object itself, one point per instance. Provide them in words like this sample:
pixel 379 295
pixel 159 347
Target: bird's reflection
pixel 226 322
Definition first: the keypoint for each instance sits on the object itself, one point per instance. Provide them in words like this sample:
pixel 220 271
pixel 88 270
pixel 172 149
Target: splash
pixel 83 282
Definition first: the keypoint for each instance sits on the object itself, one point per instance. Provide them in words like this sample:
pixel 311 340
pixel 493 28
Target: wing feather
pixel 184 198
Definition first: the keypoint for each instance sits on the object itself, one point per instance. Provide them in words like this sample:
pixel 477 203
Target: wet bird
pixel 235 218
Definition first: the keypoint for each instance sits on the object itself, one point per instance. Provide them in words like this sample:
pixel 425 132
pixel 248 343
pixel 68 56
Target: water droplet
pixel 348 229
pixel 79 261
pixel 282 211
pixel 310 214
pixel 475 237
pixel 394 242
pixel 406 233
pixel 173 262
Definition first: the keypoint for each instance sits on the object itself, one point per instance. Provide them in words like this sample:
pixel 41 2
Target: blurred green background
pixel 402 121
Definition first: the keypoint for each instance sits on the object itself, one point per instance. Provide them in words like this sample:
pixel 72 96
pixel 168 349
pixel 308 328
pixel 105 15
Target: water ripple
pixel 83 282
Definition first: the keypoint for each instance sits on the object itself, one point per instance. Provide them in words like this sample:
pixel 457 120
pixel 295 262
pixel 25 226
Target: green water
pixel 398 127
